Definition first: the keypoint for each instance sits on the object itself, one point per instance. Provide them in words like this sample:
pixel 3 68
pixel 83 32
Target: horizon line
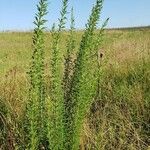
pixel 78 29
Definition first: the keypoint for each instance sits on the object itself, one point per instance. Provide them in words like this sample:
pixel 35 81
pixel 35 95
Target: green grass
pixel 119 119
pixel 16 48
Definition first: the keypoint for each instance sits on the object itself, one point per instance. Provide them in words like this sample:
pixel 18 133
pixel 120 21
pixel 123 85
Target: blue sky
pixel 19 14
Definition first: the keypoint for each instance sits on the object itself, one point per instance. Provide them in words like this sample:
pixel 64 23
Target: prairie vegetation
pixel 119 119
pixel 112 93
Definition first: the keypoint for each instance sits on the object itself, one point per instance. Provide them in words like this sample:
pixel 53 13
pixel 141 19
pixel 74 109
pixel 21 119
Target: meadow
pixel 70 89
pixel 119 119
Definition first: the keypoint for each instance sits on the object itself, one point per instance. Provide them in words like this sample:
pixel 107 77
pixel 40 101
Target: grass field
pixel 119 119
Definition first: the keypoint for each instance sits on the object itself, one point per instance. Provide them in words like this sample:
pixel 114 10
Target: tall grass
pixel 119 119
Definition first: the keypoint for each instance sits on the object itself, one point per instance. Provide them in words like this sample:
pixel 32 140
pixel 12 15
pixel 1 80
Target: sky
pixel 19 14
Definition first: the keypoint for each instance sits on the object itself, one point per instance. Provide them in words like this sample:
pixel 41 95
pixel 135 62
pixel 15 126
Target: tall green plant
pixel 55 124
pixel 68 65
pixel 36 103
pixel 84 79
pixel 68 70
pixel 72 88
pixel 70 103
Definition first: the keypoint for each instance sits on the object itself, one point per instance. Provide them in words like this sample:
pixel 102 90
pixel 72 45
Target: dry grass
pixel 119 119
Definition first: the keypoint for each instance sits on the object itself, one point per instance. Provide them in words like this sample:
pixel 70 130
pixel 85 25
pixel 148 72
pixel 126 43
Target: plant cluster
pixel 80 96
pixel 58 118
